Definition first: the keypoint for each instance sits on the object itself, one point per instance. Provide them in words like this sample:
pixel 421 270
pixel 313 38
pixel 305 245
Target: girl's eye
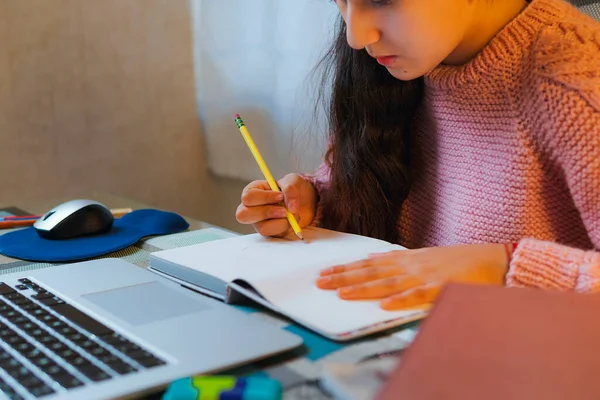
pixel 381 3
pixel 376 3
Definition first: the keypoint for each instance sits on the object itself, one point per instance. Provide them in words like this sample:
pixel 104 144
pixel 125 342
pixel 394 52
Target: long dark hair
pixel 369 122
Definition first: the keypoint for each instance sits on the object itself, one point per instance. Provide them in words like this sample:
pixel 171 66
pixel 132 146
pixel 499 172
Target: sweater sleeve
pixel 565 115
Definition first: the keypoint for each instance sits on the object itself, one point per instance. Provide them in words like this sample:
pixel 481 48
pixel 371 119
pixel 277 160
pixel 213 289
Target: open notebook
pixel 280 274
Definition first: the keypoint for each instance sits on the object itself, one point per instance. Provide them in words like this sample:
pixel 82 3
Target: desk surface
pixel 297 371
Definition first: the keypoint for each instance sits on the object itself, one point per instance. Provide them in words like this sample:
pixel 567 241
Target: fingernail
pixel 324 280
pixel 345 291
pixel 280 213
pixel 327 271
pixel 279 197
pixel 385 303
pixel 293 206
pixel 390 304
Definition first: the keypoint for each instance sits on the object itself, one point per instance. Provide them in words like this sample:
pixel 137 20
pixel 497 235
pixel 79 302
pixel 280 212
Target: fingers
pixel 289 187
pixel 273 227
pixel 379 289
pixel 391 253
pixel 417 296
pixel 253 215
pixel 259 193
pixel 359 275
pixel 365 263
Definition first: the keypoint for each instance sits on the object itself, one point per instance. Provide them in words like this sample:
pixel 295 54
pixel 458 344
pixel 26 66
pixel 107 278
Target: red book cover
pixel 488 342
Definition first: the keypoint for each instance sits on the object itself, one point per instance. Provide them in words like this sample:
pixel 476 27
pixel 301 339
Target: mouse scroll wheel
pixel 48 215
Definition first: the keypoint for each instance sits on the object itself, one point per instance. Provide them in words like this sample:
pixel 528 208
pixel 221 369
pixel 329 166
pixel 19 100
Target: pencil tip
pixel 299 234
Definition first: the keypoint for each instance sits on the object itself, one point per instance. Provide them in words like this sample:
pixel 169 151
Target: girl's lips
pixel 386 61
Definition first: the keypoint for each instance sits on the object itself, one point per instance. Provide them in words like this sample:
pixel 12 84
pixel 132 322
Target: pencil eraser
pixel 236 116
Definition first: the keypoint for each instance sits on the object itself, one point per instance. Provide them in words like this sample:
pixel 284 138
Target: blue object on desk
pixel 224 388
pixel 26 244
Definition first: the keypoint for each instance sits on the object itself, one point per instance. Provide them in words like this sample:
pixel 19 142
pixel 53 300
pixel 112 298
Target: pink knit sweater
pixel 507 149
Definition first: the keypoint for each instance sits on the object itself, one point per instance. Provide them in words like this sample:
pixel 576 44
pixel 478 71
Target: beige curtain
pixel 254 58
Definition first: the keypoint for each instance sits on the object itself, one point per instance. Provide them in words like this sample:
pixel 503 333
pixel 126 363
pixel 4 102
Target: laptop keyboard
pixel 49 346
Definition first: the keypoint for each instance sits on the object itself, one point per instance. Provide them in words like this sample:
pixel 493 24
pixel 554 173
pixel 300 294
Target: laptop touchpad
pixel 145 303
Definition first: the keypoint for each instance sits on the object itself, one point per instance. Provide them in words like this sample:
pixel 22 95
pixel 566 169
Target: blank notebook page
pixel 284 272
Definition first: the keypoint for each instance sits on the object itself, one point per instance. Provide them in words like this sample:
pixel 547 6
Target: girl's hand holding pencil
pixel 274 207
pixel 265 209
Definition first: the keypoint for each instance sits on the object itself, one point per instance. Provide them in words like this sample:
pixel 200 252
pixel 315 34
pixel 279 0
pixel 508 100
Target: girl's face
pixel 408 37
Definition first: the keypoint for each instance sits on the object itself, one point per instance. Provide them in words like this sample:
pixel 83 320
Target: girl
pixel 465 130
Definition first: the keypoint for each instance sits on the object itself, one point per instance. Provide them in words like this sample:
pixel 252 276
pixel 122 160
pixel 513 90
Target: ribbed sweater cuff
pixel 547 265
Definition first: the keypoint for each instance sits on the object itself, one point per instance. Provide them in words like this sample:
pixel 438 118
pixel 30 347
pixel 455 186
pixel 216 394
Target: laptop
pixel 108 329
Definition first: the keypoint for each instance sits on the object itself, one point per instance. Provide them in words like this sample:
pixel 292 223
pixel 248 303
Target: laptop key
pixel 112 337
pixel 42 295
pixel 38 312
pixel 30 381
pixel 26 378
pixel 22 302
pixel 57 346
pixel 28 327
pixel 76 337
pixel 47 340
pixel 48 318
pixel 11 314
pixel 122 367
pixel 5 289
pixel 29 306
pixel 19 319
pixel 42 362
pixel 41 390
pixel 52 301
pixel 68 381
pixel 33 354
pixel 24 347
pixel 67 331
pixel 79 318
pixel 13 296
pixel 14 341
pixel 150 362
pixel 8 363
pixel 6 332
pixel 109 358
pixel 93 372
pixel 37 288
pixel 97 351
pixel 127 347
pixel 139 354
pixel 67 353
pixel 9 390
pixel 57 324
pixel 21 287
pixel 78 361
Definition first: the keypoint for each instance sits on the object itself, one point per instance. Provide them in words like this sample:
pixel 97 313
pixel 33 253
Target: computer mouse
pixel 73 219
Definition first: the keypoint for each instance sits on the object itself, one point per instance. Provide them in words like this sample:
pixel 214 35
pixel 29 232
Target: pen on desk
pixel 12 217
pixel 17 221
pixel 263 167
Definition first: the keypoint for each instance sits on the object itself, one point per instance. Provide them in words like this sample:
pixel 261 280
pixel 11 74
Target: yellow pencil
pixel 265 171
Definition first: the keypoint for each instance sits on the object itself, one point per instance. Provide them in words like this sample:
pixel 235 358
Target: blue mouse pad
pixel 26 244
